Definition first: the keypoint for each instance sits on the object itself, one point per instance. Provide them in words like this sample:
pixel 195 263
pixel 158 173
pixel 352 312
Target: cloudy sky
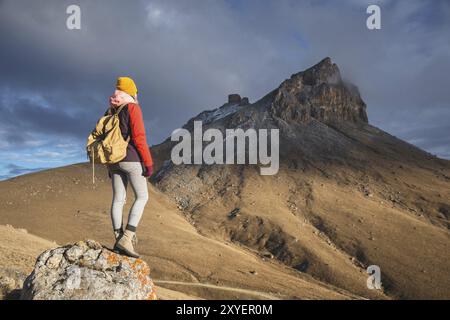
pixel 186 56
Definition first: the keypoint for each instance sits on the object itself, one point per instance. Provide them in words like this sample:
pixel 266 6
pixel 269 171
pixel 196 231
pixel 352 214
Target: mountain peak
pixel 324 63
pixel 324 71
pixel 320 93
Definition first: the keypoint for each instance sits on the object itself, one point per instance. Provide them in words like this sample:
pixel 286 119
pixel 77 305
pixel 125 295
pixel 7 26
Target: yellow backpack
pixel 105 144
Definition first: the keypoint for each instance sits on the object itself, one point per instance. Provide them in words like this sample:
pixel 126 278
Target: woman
pixel 133 169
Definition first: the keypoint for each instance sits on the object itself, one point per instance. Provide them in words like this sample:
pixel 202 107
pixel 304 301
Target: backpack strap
pixel 117 111
pixel 112 110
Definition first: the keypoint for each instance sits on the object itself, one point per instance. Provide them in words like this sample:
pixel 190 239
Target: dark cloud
pixel 25 116
pixel 186 56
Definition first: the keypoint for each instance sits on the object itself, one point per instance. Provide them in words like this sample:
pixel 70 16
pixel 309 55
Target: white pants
pixel 122 173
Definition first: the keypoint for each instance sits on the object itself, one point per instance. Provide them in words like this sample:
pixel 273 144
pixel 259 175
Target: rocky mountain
pixel 318 93
pixel 347 195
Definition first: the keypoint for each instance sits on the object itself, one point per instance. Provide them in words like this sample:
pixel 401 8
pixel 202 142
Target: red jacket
pixel 132 124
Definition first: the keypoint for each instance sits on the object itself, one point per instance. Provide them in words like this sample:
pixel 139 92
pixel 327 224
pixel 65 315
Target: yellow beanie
pixel 127 85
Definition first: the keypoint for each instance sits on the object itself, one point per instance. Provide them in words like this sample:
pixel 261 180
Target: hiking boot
pixel 125 244
pixel 134 241
pixel 118 233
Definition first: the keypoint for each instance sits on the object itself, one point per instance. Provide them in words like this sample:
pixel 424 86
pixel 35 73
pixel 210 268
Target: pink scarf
pixel 119 98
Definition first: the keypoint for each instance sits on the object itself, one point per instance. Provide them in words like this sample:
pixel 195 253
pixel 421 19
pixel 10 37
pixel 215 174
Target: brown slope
pixel 62 205
pixel 18 252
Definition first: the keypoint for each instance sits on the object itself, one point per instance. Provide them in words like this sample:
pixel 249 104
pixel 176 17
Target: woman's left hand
pixel 148 171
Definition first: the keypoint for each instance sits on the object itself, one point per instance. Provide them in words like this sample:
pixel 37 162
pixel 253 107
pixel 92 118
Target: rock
pixel 244 101
pixel 365 190
pixel 11 282
pixel 88 271
pixel 234 213
pixel 318 93
pixel 268 255
pixel 234 98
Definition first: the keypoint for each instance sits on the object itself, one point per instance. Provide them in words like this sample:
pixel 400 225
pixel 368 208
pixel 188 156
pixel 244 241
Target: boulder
pixel 88 271
pixel 244 101
pixel 11 282
pixel 234 98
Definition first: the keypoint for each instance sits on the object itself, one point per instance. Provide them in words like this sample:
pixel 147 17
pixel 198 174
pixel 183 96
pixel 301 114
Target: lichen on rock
pixel 88 271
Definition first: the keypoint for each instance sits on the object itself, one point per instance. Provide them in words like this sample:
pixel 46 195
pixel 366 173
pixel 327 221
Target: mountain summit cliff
pixel 320 93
